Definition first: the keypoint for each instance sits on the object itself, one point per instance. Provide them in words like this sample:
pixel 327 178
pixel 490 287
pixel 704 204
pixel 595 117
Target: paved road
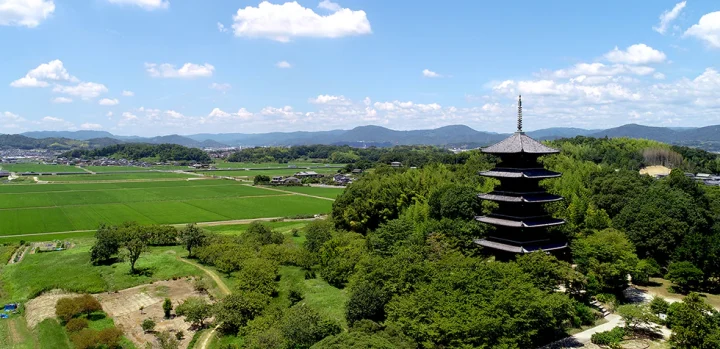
pixel 292 192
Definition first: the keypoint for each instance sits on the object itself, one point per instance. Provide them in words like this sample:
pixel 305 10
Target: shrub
pixel 584 315
pixel 88 304
pixel 148 325
pixel 195 310
pixel 66 308
pixel 659 305
pixel 295 296
pixel 303 326
pixel 179 335
pixel 201 285
pixel 167 307
pixel 612 337
pixel 110 337
pixel 167 341
pixel 77 324
pixel 85 339
pixel 685 275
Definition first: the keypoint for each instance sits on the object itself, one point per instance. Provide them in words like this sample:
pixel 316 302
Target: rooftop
pixel 530 222
pixel 529 197
pixel 539 173
pixel 520 249
pixel 519 143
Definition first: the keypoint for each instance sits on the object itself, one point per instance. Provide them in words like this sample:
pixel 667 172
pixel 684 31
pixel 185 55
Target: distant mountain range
pixel 452 136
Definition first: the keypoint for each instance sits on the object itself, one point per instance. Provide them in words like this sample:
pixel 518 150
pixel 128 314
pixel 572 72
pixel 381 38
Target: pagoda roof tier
pixel 519 143
pixel 520 222
pixel 550 246
pixel 520 197
pixel 534 173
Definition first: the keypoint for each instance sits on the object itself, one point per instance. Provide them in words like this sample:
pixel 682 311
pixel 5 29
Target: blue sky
pixel 154 67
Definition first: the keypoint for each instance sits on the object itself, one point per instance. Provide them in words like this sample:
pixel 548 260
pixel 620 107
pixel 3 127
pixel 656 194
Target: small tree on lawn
pixel 167 307
pixel 136 242
pixel 167 341
pixel 107 244
pixel 148 325
pixel 192 236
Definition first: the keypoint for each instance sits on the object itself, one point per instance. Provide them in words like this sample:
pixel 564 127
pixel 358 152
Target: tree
pixel 148 325
pixel 645 269
pixel 303 326
pixel 547 271
pixel 638 317
pixel 76 324
pixel 317 233
pixel 258 275
pixel 693 323
pixel 454 201
pixel 167 307
pixel 338 257
pixel 366 300
pixel 195 310
pixel 259 234
pixel 606 257
pixel 659 305
pixel 88 304
pixel 135 242
pixel 355 340
pixel 685 275
pixel 107 244
pixel 261 179
pixel 167 340
pixel 110 337
pixel 192 236
pixel 383 240
pixel 235 310
pixel 84 339
pixel 66 308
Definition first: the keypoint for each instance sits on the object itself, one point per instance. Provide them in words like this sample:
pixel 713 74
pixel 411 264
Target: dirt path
pixel 86 170
pixel 291 192
pixel 205 338
pixel 14 335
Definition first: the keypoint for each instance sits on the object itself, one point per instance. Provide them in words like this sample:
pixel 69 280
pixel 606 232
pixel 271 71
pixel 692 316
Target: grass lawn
pixel 71 270
pixel 87 177
pixel 237 229
pixel 116 168
pixel 29 167
pixel 660 288
pixel 51 334
pixel 331 193
pixel 318 294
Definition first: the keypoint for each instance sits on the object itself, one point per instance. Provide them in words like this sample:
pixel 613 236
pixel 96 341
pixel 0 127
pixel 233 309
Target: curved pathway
pixel 205 338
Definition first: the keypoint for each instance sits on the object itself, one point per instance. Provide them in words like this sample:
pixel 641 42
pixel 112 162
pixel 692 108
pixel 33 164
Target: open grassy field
pixel 101 169
pixel 87 177
pixel 26 209
pixel 29 167
pixel 71 270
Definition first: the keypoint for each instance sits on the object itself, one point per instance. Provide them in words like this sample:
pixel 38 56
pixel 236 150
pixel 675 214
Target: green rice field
pixel 331 193
pixel 28 167
pixel 100 169
pixel 40 208
pixel 115 176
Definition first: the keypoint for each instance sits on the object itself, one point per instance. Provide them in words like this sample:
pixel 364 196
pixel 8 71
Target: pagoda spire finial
pixel 519 114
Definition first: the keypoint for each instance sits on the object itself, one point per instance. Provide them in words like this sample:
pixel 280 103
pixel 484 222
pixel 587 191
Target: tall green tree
pixel 192 237
pixel 607 258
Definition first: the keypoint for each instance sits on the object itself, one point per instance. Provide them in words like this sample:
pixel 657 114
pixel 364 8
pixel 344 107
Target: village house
pixel 308 174
pixel 396 164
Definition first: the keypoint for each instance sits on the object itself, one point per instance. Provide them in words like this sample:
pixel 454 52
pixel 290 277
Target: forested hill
pixel 23 142
pixel 137 151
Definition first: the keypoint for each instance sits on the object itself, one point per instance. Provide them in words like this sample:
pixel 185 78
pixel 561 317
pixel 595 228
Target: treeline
pixel 137 151
pixel 408 155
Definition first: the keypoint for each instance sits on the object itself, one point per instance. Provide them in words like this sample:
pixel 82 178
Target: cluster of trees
pixel 137 151
pixel 74 313
pixel 360 158
pixel 129 240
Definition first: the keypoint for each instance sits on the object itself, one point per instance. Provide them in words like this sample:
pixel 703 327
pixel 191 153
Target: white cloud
pixel 659 76
pixel 599 69
pixel 10 117
pixel 636 54
pixel 283 65
pixel 29 82
pixel 109 114
pixel 90 126
pixel 144 4
pixel 173 114
pixel 221 27
pixel 218 115
pixel 128 116
pixel 669 16
pixel 62 100
pixel 283 22
pixel 39 77
pixel 220 87
pixel 430 74
pixel 328 99
pixel 707 29
pixel 189 70
pixel 128 93
pixel 109 102
pixel 329 5
pixel 84 90
pixel 26 13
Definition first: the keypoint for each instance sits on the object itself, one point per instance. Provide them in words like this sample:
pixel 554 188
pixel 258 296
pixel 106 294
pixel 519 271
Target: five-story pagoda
pixel 521 222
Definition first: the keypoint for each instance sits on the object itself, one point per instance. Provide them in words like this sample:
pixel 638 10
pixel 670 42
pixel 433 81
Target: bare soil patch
pixel 124 307
pixel 655 170
pixel 43 306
